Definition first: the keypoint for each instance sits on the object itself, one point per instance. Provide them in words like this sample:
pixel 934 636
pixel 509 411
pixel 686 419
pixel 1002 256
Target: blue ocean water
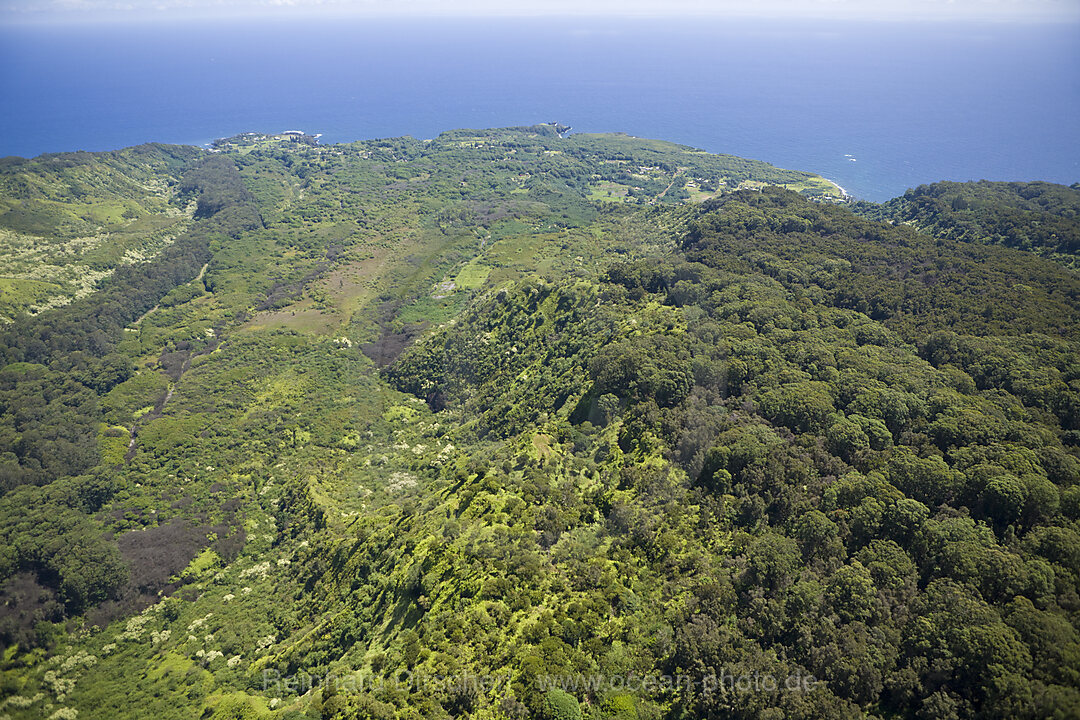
pixel 876 107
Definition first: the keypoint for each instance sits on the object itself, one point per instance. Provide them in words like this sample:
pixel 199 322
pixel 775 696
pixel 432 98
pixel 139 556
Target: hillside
pixel 506 424
pixel 1039 217
pixel 68 220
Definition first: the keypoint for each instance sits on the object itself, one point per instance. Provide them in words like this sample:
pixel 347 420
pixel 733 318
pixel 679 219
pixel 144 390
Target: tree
pixel 561 705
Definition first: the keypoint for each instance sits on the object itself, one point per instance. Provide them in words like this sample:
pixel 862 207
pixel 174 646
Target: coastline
pixel 838 186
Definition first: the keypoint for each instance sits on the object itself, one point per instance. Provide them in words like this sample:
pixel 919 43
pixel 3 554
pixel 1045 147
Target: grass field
pixel 609 192
pixel 472 276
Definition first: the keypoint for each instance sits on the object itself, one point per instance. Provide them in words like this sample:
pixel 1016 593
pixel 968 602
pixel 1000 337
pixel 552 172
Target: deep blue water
pixel 910 103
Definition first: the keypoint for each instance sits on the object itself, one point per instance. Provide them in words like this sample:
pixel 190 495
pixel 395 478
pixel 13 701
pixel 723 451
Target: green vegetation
pixel 432 429
pixel 68 220
pixel 1038 216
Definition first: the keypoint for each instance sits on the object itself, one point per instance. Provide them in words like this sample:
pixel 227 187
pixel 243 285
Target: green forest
pixel 509 424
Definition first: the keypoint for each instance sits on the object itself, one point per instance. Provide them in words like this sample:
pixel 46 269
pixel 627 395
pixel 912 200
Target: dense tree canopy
pixel 497 426
pixel 1038 216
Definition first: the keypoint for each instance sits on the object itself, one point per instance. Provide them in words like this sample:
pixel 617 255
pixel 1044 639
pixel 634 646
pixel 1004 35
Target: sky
pixel 68 11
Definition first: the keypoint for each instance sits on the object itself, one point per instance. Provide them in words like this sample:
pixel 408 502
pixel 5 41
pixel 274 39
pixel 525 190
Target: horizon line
pixel 292 14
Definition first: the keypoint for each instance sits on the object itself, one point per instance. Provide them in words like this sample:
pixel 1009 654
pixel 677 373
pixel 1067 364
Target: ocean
pixel 877 108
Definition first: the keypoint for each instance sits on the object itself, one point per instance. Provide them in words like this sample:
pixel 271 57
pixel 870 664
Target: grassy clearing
pixel 302 317
pixel 815 185
pixel 472 276
pixel 699 195
pixel 432 310
pixel 609 192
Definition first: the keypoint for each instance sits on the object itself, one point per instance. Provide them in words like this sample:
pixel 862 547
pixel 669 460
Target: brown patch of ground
pixel 302 317
pixel 344 290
